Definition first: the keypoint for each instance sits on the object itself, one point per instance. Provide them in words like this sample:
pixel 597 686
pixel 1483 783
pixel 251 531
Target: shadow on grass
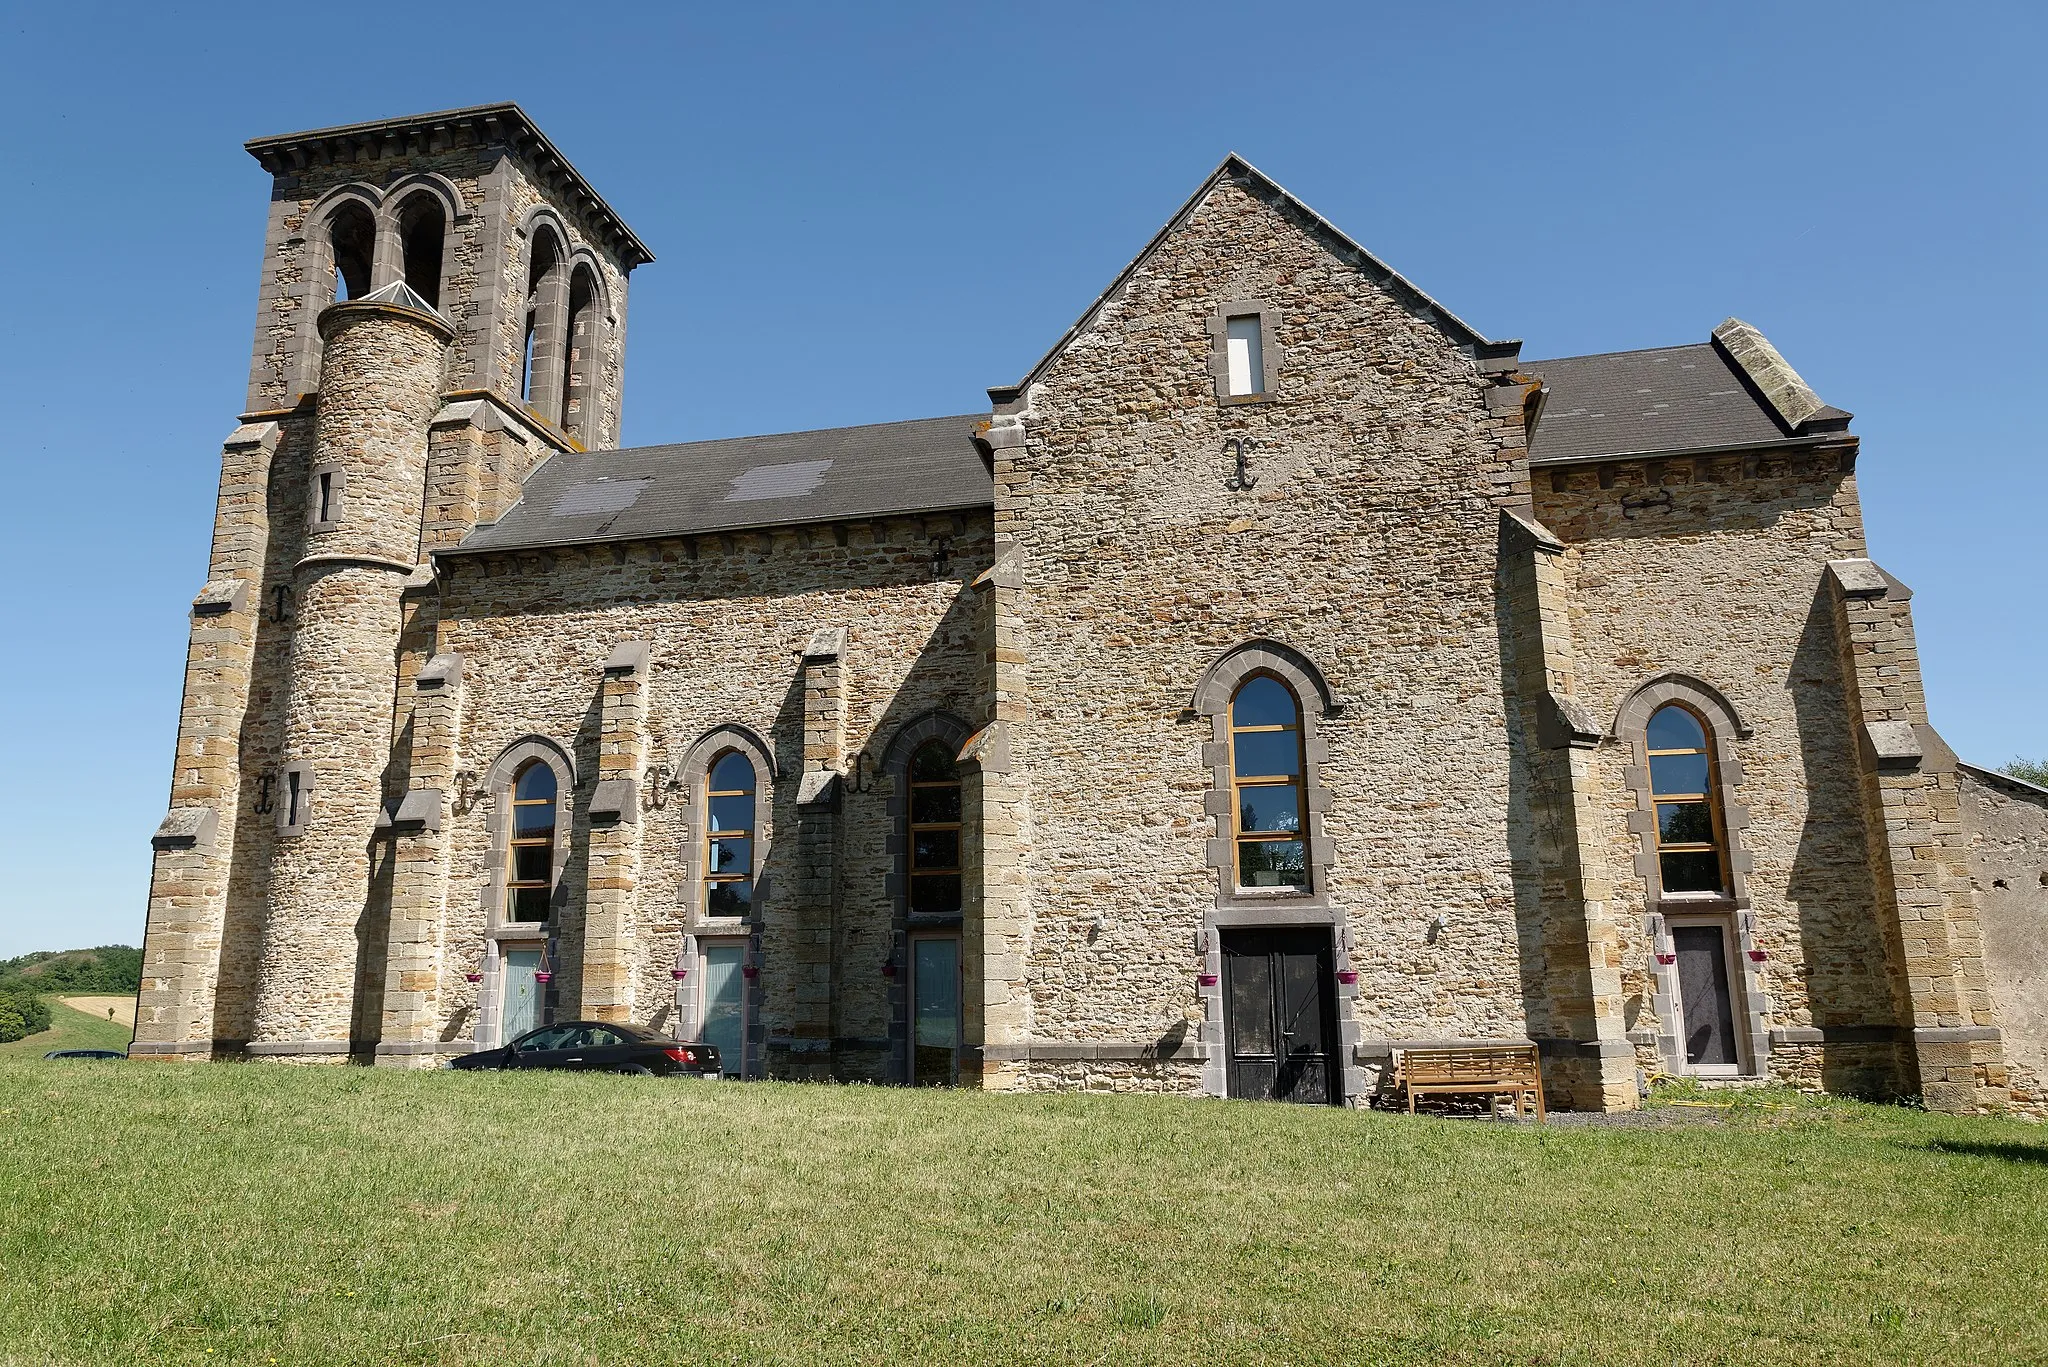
pixel 2010 1153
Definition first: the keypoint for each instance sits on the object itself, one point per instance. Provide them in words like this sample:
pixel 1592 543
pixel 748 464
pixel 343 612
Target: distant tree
pixel 2027 770
pixel 108 968
pixel 22 1014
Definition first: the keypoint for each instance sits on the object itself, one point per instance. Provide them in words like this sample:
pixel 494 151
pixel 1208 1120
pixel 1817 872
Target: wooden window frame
pixel 514 842
pixel 710 836
pixel 913 870
pixel 1298 781
pixel 1709 797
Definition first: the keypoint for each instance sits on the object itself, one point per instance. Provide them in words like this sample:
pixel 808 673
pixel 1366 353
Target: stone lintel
pixel 819 788
pixel 1859 578
pixel 1539 535
pixel 419 810
pixel 615 800
pixel 440 672
pixel 1563 721
pixel 826 644
pixel 186 828
pixel 219 596
pixel 1788 395
pixel 629 657
pixel 264 434
pixel 1893 744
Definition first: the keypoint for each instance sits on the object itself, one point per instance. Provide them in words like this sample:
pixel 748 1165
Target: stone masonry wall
pixel 1368 543
pixel 484 266
pixel 728 618
pixel 382 372
pixel 2008 824
pixel 1714 568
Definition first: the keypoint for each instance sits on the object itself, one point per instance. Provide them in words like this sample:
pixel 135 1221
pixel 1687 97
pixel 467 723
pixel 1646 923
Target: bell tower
pixel 442 306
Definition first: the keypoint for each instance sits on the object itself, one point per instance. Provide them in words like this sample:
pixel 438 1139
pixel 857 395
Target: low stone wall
pixel 2008 823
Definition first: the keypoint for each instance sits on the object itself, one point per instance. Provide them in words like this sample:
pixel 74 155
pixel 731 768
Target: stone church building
pixel 1279 673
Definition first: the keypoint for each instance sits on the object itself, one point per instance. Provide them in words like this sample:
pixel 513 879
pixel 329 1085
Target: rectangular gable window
pixel 1247 362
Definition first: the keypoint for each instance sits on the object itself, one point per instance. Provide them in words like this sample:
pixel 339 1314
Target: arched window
pixel 422 228
pixel 1689 834
pixel 352 246
pixel 530 875
pixel 579 373
pixel 1267 792
pixel 539 378
pixel 934 831
pixel 729 836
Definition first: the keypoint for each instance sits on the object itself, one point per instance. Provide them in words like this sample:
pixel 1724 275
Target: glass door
pixel 935 1011
pixel 725 1006
pixel 518 994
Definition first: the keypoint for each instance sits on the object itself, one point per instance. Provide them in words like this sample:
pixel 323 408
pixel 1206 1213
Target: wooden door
pixel 1704 997
pixel 1281 1018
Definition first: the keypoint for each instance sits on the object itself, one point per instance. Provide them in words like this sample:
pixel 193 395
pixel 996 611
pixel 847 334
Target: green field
pixel 69 1029
pixel 258 1214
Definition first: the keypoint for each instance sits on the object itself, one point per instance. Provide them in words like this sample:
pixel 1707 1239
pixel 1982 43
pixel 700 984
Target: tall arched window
pixel 934 831
pixel 543 326
pixel 422 229
pixel 530 876
pixel 352 247
pixel 1267 792
pixel 579 372
pixel 729 836
pixel 1689 832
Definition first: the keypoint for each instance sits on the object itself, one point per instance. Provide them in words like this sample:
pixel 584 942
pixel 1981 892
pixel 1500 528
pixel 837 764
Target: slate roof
pixel 833 474
pixel 1677 398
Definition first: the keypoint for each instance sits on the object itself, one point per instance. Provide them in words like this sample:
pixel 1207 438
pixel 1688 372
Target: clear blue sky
pixel 875 211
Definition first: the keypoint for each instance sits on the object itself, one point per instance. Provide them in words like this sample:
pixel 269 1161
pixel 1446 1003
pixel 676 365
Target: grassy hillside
pixel 70 1029
pixel 109 968
pixel 316 1215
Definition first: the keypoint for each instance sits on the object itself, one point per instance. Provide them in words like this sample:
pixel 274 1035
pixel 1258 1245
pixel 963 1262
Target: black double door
pixel 1281 999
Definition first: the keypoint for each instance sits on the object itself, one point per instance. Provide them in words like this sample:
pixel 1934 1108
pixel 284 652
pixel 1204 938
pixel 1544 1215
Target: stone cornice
pixel 486 125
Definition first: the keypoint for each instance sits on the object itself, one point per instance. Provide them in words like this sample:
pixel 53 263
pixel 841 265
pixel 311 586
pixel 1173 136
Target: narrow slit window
pixel 729 836
pixel 1690 853
pixel 1245 353
pixel 294 801
pixel 530 881
pixel 935 807
pixel 326 513
pixel 1268 792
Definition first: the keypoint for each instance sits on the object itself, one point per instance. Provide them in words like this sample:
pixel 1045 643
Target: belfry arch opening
pixel 422 231
pixel 579 371
pixel 544 324
pixel 352 243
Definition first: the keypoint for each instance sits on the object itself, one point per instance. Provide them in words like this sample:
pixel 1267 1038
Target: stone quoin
pixel 1280 674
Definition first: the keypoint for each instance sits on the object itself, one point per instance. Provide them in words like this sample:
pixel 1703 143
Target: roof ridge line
pixel 797 432
pixel 1472 336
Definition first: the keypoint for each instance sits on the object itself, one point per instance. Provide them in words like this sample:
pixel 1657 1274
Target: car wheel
pixel 634 1070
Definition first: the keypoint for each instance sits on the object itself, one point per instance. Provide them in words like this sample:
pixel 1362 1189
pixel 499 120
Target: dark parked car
pixel 598 1047
pixel 85 1053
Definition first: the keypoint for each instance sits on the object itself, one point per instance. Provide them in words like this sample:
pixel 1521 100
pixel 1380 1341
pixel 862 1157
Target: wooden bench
pixel 1492 1070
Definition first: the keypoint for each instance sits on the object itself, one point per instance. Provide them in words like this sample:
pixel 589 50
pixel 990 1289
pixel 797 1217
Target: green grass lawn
pixel 261 1213
pixel 70 1029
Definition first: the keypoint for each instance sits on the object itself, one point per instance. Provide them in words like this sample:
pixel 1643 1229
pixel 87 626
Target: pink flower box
pixel 1347 976
pixel 1207 979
